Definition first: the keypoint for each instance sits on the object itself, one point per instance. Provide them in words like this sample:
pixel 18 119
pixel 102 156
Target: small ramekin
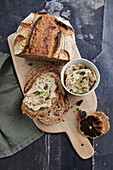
pixel 88 64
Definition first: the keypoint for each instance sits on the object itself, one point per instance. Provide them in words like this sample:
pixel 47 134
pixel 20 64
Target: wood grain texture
pixel 71 125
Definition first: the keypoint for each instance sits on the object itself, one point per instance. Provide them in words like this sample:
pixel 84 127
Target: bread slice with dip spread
pixel 44 96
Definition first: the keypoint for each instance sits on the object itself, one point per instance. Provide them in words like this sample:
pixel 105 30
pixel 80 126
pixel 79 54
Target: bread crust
pixel 36 40
pixel 57 114
pixel 58 90
pixel 41 68
pixel 55 76
pixel 43 114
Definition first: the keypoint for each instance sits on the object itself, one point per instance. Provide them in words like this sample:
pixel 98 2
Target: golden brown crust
pixel 42 113
pixel 59 90
pixel 27 111
pixel 36 40
pixel 66 104
pixel 41 68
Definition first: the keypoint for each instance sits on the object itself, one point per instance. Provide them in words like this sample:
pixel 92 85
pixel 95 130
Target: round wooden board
pixel 71 124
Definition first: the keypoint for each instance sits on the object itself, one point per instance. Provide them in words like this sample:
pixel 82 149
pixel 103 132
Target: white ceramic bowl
pixel 88 64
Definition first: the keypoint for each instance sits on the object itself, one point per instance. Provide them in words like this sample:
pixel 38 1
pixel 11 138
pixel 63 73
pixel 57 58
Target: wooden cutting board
pixel 70 125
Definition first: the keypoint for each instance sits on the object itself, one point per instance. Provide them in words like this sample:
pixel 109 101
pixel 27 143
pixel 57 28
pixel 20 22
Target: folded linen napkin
pixel 16 130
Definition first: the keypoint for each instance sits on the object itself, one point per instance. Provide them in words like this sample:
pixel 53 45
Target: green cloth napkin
pixel 16 130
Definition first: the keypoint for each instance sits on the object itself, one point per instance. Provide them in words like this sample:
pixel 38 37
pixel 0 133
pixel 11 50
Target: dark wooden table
pixel 54 151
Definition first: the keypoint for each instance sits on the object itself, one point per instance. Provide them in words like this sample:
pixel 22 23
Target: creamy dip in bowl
pixel 80 77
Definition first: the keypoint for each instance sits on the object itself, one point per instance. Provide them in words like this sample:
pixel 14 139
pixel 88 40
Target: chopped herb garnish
pixel 39 82
pixel 46 79
pixel 78 108
pixel 77 80
pixel 74 111
pixel 44 94
pixel 78 72
pixel 82 80
pixel 37 93
pixel 83 90
pixel 63 120
pixel 70 84
pixel 50 91
pixel 72 106
pixel 71 90
pixel 72 79
pixel 41 101
pixel 41 92
pixel 89 84
pixel 77 91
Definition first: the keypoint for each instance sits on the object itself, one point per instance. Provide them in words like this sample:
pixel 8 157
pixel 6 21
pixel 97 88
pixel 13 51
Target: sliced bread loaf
pixel 39 91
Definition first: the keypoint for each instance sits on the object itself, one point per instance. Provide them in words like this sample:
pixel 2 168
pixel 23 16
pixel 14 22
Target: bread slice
pixel 41 68
pixel 32 114
pixel 56 114
pixel 58 90
pixel 56 77
pixel 41 36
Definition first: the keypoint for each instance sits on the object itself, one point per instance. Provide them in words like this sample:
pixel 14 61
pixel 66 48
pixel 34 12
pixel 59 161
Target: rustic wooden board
pixel 71 124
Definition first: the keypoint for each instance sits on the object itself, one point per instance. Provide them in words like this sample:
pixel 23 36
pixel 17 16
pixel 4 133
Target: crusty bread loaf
pixel 45 37
pixel 56 114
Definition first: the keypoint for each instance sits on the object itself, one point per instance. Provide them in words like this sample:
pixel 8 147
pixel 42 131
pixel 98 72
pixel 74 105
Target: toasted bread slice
pixel 32 82
pixel 57 80
pixel 56 114
pixel 32 114
pixel 41 68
